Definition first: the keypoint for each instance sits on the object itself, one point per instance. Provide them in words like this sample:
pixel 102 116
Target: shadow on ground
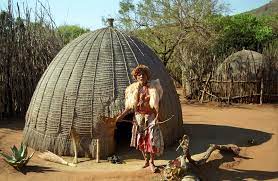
pixel 14 124
pixel 36 169
pixel 4 167
pixel 211 170
pixel 201 135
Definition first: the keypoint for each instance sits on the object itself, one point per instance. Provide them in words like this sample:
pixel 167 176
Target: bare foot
pixel 153 167
pixel 146 165
pixel 75 160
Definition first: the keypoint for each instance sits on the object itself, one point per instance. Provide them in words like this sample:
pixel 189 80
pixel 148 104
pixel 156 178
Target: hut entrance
pixel 123 133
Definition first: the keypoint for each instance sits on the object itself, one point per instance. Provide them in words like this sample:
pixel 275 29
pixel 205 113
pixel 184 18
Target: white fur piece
pixel 131 94
pixel 155 91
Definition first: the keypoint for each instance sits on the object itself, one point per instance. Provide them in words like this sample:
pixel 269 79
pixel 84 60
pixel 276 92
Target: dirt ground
pixel 252 127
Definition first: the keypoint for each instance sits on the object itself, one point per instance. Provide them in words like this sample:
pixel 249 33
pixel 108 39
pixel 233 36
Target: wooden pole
pixel 261 93
pixel 75 141
pixel 97 152
pixel 230 91
pixel 205 88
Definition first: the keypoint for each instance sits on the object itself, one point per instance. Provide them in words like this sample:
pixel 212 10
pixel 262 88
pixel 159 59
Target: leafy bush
pixel 70 32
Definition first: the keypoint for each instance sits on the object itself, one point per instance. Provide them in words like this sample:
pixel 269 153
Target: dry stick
pixel 232 98
pixel 162 122
pixel 98 151
pixel 238 81
pixel 229 148
pixel 212 95
pixel 205 88
pixel 165 120
pixel 230 90
pixel 158 123
pixel 127 121
pixel 184 144
pixel 49 156
pixel 261 93
pixel 75 141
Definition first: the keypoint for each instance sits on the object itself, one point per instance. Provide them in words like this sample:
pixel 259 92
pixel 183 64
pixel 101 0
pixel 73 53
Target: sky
pixel 89 13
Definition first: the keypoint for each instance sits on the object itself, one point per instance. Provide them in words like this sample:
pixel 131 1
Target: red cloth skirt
pixel 144 143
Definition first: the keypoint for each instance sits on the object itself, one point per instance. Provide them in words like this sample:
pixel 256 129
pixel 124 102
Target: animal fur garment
pixel 155 91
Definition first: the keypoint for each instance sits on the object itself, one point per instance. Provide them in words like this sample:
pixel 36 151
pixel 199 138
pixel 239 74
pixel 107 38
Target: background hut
pixel 245 76
pixel 83 88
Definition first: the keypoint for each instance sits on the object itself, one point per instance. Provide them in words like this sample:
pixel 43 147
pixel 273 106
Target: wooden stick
pixel 75 141
pixel 261 93
pixel 205 88
pixel 162 122
pixel 235 97
pixel 229 148
pixel 97 152
pixel 159 123
pixel 49 156
pixel 184 144
pixel 229 81
pixel 230 91
pixel 127 121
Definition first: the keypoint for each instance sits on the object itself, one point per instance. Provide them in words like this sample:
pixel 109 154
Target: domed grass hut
pixel 83 89
pixel 245 77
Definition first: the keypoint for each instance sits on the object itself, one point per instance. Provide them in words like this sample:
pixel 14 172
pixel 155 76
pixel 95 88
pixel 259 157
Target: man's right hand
pixel 119 117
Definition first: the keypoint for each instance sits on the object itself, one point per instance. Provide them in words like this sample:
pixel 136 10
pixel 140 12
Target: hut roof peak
pixel 110 22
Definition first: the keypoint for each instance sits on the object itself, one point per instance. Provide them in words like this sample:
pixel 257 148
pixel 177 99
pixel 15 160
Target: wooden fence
pixel 239 91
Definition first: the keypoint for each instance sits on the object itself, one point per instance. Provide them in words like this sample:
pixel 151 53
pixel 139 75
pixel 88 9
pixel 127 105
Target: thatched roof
pixel 87 78
pixel 244 64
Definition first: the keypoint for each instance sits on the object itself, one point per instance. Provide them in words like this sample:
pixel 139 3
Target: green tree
pixel 164 24
pixel 241 31
pixel 70 32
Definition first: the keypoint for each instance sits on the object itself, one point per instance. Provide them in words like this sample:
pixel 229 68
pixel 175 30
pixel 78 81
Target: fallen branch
pixel 228 148
pixel 49 156
pixel 184 144
pixel 179 169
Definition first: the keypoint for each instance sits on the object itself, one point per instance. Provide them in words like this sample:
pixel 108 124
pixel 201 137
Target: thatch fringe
pixel 62 145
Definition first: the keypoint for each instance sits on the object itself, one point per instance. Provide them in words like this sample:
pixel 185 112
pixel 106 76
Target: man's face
pixel 142 78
